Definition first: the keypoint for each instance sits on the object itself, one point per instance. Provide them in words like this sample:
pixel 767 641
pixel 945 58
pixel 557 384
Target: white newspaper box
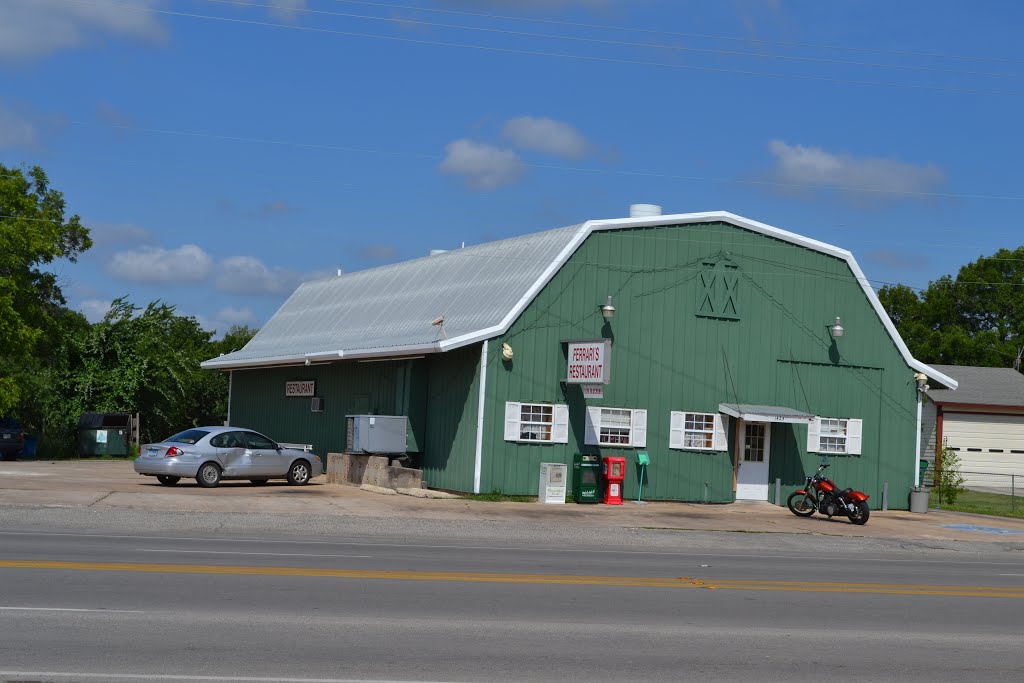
pixel 551 489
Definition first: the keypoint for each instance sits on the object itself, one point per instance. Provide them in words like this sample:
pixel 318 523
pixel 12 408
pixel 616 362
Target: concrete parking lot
pixel 100 485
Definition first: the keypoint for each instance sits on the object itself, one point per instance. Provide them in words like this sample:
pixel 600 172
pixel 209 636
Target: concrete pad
pixel 114 484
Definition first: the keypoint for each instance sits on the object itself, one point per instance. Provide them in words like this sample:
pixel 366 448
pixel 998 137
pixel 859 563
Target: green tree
pixel 976 318
pixel 137 361
pixel 211 387
pixel 34 232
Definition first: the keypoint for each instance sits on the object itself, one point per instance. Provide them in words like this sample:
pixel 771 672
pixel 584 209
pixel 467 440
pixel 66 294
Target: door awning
pixel 756 413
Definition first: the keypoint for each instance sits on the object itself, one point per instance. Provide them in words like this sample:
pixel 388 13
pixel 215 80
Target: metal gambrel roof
pixel 480 291
pixel 390 311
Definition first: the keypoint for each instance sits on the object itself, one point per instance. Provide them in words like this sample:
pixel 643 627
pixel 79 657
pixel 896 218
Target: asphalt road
pixel 96 605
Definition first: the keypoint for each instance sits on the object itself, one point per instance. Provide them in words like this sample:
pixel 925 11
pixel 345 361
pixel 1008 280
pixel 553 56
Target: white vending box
pixel 551 489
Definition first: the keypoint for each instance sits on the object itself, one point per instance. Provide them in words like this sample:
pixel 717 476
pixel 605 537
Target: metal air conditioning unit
pixel 383 434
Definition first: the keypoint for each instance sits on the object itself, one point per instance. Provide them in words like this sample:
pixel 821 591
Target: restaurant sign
pixel 590 362
pixel 300 389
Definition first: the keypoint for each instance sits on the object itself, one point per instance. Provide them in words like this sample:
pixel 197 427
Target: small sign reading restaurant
pixel 590 362
pixel 300 389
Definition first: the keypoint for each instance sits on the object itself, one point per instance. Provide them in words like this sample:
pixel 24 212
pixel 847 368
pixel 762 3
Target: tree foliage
pixel 976 318
pixel 34 232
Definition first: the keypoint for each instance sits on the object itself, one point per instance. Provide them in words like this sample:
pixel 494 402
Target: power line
pixel 559 55
pixel 555 167
pixel 677 34
pixel 619 43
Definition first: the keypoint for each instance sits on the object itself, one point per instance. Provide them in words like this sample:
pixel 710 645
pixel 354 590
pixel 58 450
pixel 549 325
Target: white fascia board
pixel 216 364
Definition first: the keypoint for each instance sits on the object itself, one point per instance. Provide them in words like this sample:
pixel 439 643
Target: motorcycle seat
pixel 845 492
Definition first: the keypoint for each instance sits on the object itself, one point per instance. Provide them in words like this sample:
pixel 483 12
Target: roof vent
pixel 435 252
pixel 644 210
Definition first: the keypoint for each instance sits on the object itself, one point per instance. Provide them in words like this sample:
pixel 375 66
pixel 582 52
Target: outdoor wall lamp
pixel 608 310
pixel 836 330
pixel 922 382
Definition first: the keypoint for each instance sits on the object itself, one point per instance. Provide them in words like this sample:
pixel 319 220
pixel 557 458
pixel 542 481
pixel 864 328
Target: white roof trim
pixel 581 234
pixel 589 227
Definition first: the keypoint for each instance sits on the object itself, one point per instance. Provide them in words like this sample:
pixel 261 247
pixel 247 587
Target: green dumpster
pixel 104 434
pixel 586 478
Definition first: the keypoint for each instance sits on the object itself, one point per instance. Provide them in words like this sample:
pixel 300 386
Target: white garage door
pixel 986 443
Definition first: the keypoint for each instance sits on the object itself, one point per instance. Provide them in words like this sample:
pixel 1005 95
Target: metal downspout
pixel 231 382
pixel 917 450
pixel 481 402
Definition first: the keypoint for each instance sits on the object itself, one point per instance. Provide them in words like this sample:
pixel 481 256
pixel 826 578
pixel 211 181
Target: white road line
pixel 238 552
pixel 69 609
pixel 516 549
pixel 1011 575
pixel 79 675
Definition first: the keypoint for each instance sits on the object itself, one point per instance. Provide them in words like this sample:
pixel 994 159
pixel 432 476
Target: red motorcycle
pixel 821 495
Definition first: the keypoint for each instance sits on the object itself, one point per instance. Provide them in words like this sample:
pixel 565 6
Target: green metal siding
pixel 258 401
pixel 777 351
pixel 451 415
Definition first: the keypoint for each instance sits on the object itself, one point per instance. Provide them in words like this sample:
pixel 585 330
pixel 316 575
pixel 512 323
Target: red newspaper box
pixel 614 475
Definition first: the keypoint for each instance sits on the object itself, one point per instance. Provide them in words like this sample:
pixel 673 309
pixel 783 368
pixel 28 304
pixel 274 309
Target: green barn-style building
pixel 740 354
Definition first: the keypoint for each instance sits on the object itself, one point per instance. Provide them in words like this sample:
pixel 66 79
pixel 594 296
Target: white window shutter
pixel 854 430
pixel 592 434
pixel 814 435
pixel 638 429
pixel 676 435
pixel 513 413
pixel 560 433
pixel 721 441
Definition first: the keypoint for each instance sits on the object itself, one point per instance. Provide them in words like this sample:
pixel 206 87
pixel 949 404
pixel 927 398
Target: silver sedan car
pixel 210 454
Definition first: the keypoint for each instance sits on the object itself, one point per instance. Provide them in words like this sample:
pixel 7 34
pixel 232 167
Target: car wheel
pixel 259 482
pixel 208 475
pixel 167 479
pixel 299 473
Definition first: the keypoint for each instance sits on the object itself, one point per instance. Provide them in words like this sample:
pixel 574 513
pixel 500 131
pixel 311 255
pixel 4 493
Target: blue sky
pixel 224 150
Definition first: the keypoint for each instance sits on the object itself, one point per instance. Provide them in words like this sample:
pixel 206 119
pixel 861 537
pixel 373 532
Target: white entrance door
pixel 752 479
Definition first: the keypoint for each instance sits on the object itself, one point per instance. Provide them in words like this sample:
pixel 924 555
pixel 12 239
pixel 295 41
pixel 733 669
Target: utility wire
pixel 557 55
pixel 555 167
pixel 677 34
pixel 620 43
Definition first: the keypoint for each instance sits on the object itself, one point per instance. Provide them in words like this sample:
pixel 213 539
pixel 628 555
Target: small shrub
pixel 951 482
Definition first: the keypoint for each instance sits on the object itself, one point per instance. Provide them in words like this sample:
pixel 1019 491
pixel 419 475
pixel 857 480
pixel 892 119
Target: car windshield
pixel 189 436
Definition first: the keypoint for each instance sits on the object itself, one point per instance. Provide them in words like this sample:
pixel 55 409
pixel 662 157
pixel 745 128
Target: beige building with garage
pixel 983 422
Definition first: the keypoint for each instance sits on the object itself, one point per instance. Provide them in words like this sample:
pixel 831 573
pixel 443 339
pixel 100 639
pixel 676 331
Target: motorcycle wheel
pixel 861 513
pixel 801 504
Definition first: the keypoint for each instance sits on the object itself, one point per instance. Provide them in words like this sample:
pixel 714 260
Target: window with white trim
pixel 835 435
pixel 832 435
pixel 697 431
pixel 536 422
pixel 623 427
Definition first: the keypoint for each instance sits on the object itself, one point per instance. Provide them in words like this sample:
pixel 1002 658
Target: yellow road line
pixel 472 577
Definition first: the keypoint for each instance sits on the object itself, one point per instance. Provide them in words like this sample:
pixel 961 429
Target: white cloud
pixel 15 129
pixel 286 9
pixel 483 166
pixel 546 135
pixel 222 321
pixel 249 276
pixel 119 234
pixel 187 264
pixel 35 28
pixel 94 309
pixel 816 167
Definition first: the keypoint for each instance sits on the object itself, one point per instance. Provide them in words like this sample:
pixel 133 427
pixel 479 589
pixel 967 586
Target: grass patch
pixel 498 497
pixel 982 503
